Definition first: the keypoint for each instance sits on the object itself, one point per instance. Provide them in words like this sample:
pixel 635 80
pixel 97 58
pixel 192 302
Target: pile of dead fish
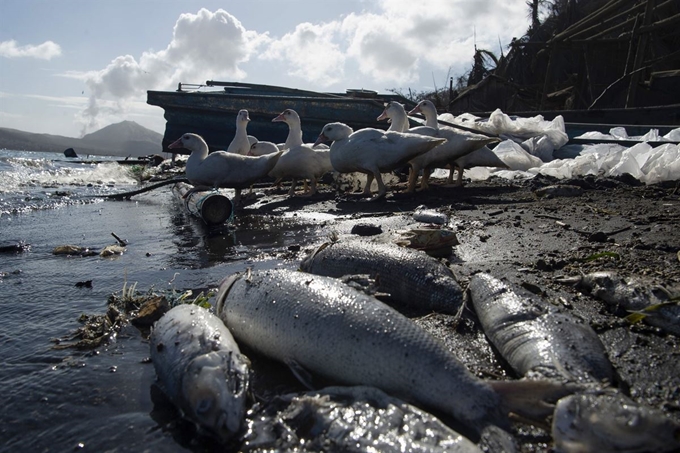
pixel 323 322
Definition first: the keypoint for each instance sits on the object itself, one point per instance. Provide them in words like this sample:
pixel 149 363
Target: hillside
pixel 123 139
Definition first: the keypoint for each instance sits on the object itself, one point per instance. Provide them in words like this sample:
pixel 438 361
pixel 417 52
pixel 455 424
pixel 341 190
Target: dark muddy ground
pixel 507 229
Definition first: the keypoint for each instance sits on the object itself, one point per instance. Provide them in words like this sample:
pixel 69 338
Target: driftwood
pixel 212 207
pixel 127 195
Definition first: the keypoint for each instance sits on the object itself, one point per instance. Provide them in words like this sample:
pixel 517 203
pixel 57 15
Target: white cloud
pixel 398 38
pixel 44 51
pixel 310 53
pixel 394 42
pixel 204 45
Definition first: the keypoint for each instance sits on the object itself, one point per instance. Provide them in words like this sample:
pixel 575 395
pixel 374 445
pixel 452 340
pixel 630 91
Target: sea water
pixel 100 399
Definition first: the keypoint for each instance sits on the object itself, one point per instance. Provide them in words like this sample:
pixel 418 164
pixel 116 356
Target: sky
pixel 71 67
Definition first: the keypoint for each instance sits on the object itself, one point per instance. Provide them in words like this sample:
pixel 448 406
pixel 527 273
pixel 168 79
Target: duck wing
pixel 231 170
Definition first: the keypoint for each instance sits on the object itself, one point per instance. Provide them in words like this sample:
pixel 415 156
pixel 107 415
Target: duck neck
pixel 241 130
pixel 399 120
pixel 198 155
pixel 294 135
pixel 431 119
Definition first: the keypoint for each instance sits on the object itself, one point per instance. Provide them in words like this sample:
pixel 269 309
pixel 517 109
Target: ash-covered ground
pixel 530 233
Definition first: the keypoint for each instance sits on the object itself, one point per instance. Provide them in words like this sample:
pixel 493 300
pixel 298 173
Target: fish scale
pixel 536 338
pixel 330 329
pixel 411 277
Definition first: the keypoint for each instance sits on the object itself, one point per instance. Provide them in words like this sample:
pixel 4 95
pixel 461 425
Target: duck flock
pixel 369 151
pixel 528 146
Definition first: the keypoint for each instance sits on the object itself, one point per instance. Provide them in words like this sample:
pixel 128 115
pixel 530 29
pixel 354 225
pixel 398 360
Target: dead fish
pixel 348 419
pixel 437 242
pixel 611 422
pixel 535 338
pixel 111 250
pixel 422 214
pixel 560 190
pixel 652 305
pixel 74 250
pixel 200 369
pixel 319 326
pixel 411 278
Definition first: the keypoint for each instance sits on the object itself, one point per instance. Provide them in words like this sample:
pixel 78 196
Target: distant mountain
pixel 123 139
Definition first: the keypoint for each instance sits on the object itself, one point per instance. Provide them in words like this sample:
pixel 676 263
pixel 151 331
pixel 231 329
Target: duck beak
pixel 278 118
pixel 415 109
pixel 321 139
pixel 176 144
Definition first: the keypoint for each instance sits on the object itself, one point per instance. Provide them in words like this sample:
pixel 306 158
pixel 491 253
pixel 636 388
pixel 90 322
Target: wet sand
pixel 503 227
pixel 507 229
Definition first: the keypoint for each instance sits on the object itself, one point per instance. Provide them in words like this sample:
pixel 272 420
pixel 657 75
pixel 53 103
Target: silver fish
pixel 645 303
pixel 611 422
pixel 324 327
pixel 411 277
pixel 348 419
pixel 535 338
pixel 200 368
pixel 559 191
pixel 422 214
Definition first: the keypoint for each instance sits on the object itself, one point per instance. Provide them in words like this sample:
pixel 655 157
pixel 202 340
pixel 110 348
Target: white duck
pixel 457 145
pixel 299 162
pixel 294 138
pixel 220 168
pixel 241 142
pixel 481 157
pixel 392 114
pixel 373 151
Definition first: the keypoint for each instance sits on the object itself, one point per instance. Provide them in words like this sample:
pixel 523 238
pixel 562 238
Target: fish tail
pixel 639 315
pixel 635 317
pixel 532 399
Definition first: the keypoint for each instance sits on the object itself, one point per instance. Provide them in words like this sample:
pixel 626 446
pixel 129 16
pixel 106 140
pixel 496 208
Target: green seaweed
pixel 597 256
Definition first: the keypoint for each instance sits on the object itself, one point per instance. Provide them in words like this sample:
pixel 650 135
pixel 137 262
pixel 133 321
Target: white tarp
pixel 531 146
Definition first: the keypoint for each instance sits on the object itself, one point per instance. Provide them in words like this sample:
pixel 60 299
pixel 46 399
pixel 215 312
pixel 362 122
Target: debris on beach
pixel 127 306
pixel 111 250
pixel 74 250
pixel 14 247
pixel 437 242
pixel 559 190
pixel 425 215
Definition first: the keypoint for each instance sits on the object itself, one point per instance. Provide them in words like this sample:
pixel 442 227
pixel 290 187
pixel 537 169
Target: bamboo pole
pixel 639 56
pixel 213 207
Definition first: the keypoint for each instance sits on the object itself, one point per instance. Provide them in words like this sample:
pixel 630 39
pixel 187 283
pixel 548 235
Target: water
pixel 62 400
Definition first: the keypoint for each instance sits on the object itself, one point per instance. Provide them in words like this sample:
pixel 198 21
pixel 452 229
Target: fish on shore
pixel 611 422
pixel 201 369
pixel 348 419
pixel 535 338
pixel 319 326
pixel 411 278
pixel 653 306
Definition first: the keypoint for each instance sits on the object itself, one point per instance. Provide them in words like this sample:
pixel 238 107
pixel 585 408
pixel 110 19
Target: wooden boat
pixel 212 113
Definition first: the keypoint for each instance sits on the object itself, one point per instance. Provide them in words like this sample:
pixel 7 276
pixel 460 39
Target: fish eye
pixel 204 405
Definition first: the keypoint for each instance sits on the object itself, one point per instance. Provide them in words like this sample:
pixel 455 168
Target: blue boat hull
pixel 212 114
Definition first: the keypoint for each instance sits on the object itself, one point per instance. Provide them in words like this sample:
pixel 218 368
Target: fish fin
pixel 225 286
pixel 635 317
pixel 532 399
pixel 301 373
